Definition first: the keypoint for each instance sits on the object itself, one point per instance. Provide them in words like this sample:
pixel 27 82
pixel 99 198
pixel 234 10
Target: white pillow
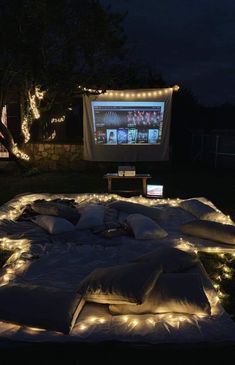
pixel 201 210
pixel 41 307
pixel 213 231
pixel 144 228
pixel 92 216
pixel 155 213
pixel 128 283
pixel 53 224
pixel 56 209
pixel 174 293
pixel 171 259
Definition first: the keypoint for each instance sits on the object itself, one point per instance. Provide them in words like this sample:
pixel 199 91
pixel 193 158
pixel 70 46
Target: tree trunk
pixel 7 140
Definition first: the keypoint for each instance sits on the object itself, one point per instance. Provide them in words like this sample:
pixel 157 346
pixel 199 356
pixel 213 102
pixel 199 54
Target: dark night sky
pixel 190 42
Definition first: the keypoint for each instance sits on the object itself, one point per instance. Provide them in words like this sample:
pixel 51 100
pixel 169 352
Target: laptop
pixel 154 191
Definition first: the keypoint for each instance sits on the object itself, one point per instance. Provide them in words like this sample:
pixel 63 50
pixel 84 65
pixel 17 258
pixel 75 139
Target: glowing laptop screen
pixel 155 190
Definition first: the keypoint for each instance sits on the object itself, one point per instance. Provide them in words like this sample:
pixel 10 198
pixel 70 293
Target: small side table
pixel 143 177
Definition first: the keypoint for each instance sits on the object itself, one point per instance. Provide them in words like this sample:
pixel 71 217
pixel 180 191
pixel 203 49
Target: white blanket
pixel 64 260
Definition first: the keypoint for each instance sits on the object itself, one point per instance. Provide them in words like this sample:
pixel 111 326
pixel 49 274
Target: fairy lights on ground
pixel 18 245
pixel 91 321
pixel 134 323
pixel 35 329
pixel 221 294
pixel 125 318
pixel 15 264
pixel 223 272
pixel 150 321
pixel 82 327
pixel 184 245
pixel 9 273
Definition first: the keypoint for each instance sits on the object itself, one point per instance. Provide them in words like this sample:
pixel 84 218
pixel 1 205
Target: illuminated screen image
pixel 154 190
pixel 127 122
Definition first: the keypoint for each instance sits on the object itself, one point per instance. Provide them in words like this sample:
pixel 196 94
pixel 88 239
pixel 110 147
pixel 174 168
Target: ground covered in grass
pixel 221 268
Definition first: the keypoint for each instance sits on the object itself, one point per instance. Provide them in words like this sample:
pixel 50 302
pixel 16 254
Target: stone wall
pixel 48 156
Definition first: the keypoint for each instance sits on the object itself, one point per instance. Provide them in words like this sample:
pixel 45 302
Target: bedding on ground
pixel 105 273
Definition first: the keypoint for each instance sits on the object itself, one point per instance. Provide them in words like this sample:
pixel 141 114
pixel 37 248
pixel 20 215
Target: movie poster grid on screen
pixel 120 122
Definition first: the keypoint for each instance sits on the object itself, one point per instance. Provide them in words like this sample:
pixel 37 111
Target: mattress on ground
pixel 62 261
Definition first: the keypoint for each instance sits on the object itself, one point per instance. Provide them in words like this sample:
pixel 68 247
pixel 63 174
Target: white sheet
pixel 63 262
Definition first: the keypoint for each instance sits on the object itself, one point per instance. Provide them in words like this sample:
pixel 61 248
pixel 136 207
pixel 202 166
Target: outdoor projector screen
pixel 127 125
pixel 127 122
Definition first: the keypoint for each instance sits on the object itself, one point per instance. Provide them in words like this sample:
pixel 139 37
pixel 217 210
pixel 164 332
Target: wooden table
pixel 143 177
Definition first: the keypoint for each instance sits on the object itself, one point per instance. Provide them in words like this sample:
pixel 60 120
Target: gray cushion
pixel 128 283
pixel 201 210
pixel 171 259
pixel 56 209
pixel 213 231
pixel 155 213
pixel 92 216
pixel 40 307
pixel 144 228
pixel 53 225
pixel 174 293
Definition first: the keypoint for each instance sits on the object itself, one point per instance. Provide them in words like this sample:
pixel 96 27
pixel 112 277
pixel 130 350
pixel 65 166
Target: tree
pixel 185 118
pixel 48 48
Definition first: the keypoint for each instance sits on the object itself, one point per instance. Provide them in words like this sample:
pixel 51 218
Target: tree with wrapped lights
pixel 48 49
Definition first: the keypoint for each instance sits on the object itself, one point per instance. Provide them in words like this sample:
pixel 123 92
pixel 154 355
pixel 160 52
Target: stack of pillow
pixel 40 307
pixel 207 224
pixel 142 220
pixel 57 218
pixel 157 282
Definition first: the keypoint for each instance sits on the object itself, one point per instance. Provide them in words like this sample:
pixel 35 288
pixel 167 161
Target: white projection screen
pixel 127 125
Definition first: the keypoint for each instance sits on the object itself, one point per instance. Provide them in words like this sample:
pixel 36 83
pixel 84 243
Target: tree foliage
pixel 50 47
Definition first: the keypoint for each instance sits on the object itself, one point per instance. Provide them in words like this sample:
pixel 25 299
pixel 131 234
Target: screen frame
pixel 125 152
pixel 154 195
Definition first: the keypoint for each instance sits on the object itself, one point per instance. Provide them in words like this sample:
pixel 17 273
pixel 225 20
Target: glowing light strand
pixel 25 129
pixel 34 101
pixel 58 120
pixel 129 94
pixel 20 154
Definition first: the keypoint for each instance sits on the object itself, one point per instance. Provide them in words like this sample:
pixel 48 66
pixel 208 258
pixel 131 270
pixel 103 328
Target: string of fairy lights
pixel 130 94
pixel 21 258
pixel 223 271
